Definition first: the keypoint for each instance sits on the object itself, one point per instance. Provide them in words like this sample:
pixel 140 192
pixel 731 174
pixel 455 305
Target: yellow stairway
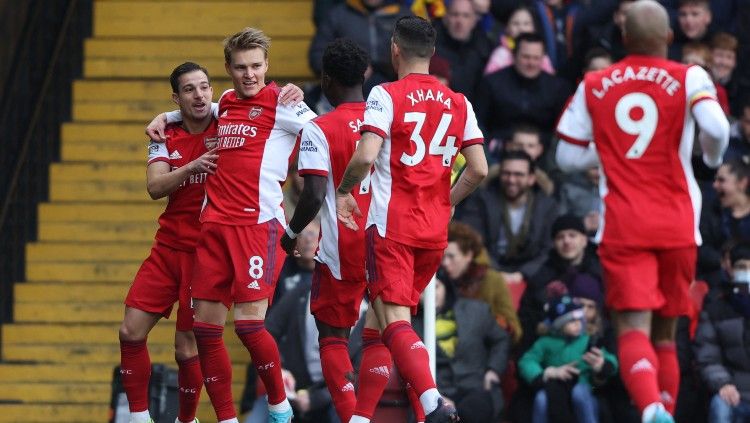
pixel 59 353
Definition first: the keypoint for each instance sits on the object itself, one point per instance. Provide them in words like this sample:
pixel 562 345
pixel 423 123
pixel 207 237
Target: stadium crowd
pixel 530 228
pixel 522 248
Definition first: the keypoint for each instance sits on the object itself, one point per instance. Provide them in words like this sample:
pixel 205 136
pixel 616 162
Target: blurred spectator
pixel 693 25
pixel 298 270
pixel 428 9
pixel 557 19
pixel 522 93
pixel 597 59
pixel 721 349
pixel 732 186
pixel 321 9
pixel 739 137
pixel 571 258
pixel 564 365
pixel 579 196
pixel 700 54
pixel 369 23
pixel 464 45
pixel 293 327
pixel 609 35
pixel 440 69
pixel 527 138
pixel 512 217
pixel 722 65
pixel 466 266
pixel 472 353
pixel 519 22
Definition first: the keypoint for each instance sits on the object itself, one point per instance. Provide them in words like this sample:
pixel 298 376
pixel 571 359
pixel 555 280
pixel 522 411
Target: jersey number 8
pixel 643 128
pixel 436 149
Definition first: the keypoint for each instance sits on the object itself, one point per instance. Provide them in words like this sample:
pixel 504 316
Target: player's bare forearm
pixel 473 174
pixel 361 162
pixel 160 181
pixel 310 201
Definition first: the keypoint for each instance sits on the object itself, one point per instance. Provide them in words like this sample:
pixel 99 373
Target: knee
pixel 184 346
pixel 581 394
pixel 326 331
pixel 129 333
pixel 720 410
pixel 540 401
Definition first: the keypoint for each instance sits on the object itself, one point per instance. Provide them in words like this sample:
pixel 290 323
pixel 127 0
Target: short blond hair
pixel 247 39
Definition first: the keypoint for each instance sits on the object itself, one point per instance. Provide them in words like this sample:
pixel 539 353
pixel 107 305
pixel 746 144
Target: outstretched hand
pixel 346 210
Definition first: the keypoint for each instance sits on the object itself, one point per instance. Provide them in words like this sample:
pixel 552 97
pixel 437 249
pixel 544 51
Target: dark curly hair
pixel 345 62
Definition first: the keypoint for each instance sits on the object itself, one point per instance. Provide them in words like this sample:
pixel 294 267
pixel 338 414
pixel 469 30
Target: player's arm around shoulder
pixel 162 180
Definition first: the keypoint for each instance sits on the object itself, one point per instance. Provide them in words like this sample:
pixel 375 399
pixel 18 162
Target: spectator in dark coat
pixel 464 45
pixel 693 26
pixel 513 218
pixel 739 136
pixel 472 353
pixel 521 93
pixel 570 258
pixel 721 350
pixel 369 23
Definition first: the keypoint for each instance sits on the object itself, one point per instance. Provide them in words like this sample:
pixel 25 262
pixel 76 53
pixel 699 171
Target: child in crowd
pixel 519 22
pixel 564 364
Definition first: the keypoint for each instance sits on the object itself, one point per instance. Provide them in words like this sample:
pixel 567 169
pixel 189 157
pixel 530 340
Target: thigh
pixel 155 287
pixel 390 270
pixel 257 259
pixel 631 278
pixel 335 302
pixel 426 264
pixel 676 273
pixel 213 270
pixel 185 306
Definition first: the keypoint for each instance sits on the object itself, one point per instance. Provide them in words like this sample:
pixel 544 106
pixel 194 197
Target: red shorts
pixel 398 273
pixel 163 279
pixel 649 279
pixel 237 264
pixel 335 302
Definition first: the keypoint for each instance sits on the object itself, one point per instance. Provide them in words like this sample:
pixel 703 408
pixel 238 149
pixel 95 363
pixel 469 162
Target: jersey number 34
pixel 436 148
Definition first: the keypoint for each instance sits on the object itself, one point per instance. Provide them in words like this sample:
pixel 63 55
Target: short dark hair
pixel 345 62
pixel 703 3
pixel 526 128
pixel 518 155
pixel 187 67
pixel 528 37
pixel 415 37
pixel 741 170
pixel 596 53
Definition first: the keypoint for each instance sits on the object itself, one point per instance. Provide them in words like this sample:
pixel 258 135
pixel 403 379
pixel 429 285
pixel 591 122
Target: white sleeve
pixel 575 123
pixel 472 133
pixel 378 113
pixel 314 158
pixel 293 118
pixel 157 151
pixel 711 120
pixel 574 158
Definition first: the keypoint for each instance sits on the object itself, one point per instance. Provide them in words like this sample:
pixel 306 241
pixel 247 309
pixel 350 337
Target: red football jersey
pixel 179 225
pixel 326 146
pixel 256 138
pixel 638 113
pixel 424 125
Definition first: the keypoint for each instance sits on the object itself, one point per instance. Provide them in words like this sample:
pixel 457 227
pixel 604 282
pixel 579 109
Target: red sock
pixel 410 355
pixel 216 368
pixel 135 371
pixel 416 406
pixel 374 371
pixel 190 382
pixel 669 374
pixel 265 356
pixel 337 371
pixel 638 368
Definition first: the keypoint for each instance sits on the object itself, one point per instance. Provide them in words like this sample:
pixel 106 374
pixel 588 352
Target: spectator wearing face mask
pixel 721 350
